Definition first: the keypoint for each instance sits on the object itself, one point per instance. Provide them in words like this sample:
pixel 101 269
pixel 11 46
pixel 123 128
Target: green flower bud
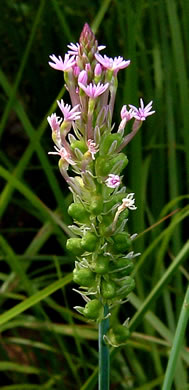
pixel 123 267
pixel 73 245
pixel 118 335
pixel 78 212
pixel 126 286
pixel 89 241
pixel 96 205
pixel 93 310
pixel 122 241
pixel 101 265
pixel 84 277
pixel 108 289
pixel 107 141
pixel 79 145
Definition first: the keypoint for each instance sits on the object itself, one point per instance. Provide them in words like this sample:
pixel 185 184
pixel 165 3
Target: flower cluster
pixel 91 161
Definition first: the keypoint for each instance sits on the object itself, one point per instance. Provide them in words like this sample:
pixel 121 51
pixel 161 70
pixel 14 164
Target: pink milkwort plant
pixel 91 162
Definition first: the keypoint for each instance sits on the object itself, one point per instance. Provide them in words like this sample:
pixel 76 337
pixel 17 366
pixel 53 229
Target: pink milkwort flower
pixel 54 122
pixel 113 181
pixel 92 148
pixel 74 48
pixel 125 114
pixel 142 112
pixel 70 114
pixel 64 154
pixel 113 64
pixel 92 90
pixel 59 64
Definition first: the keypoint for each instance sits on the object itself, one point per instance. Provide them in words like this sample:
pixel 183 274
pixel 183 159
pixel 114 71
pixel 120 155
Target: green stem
pixel 104 358
pixel 177 343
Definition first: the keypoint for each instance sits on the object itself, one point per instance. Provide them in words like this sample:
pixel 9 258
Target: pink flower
pixel 59 64
pixel 142 112
pixel 113 181
pixel 54 122
pixel 74 47
pixel 64 154
pixel 125 114
pixel 113 64
pixel 92 148
pixel 70 114
pixel 92 90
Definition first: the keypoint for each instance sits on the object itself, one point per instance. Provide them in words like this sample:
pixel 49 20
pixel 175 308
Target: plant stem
pixel 104 358
pixel 177 343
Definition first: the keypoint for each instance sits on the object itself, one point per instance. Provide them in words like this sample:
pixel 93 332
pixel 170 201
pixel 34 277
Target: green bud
pixel 108 289
pixel 126 286
pixel 118 335
pixel 84 277
pixel 78 212
pixel 93 310
pixel 107 141
pixel 122 241
pixel 96 205
pixel 101 265
pixel 73 245
pixel 89 241
pixel 79 145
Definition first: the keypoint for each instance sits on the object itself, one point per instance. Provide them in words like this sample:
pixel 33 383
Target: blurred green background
pixel 44 344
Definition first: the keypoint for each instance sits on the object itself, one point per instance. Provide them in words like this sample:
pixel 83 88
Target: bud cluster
pixel 91 162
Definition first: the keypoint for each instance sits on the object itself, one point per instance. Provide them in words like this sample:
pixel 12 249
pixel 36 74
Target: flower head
pixel 54 122
pixel 70 114
pixel 59 64
pixel 142 112
pixel 113 64
pixel 64 154
pixel 113 181
pixel 92 90
pixel 92 148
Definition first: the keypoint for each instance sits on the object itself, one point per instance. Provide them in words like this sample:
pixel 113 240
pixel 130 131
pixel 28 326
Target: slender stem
pixel 104 358
pixel 177 343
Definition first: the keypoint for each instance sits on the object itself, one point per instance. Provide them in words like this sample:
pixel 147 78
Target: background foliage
pixel 44 344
